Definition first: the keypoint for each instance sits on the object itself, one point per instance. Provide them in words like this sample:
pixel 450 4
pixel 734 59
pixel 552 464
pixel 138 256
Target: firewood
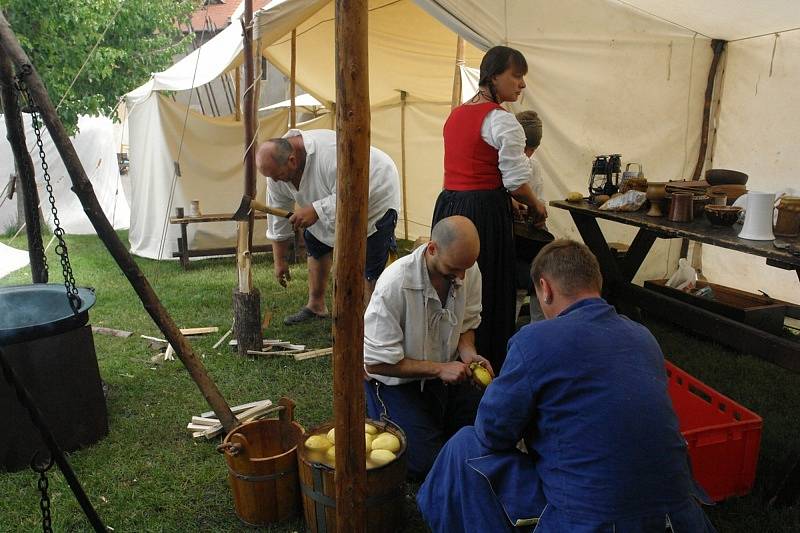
pixel 313 354
pixel 199 331
pixel 110 331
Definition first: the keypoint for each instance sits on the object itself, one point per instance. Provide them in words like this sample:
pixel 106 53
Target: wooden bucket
pixel 385 488
pixel 262 467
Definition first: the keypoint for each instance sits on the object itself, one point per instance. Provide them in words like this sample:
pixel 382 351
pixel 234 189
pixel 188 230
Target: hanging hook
pixel 41 467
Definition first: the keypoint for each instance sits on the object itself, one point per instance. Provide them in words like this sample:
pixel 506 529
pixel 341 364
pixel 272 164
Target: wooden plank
pixel 636 253
pixel 112 332
pixel 199 331
pixel 239 408
pixel 741 337
pixel 210 217
pixel 313 354
pixel 223 250
pixel 154 339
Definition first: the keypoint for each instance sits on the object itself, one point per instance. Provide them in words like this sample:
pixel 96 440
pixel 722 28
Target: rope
pixel 165 224
pixel 91 53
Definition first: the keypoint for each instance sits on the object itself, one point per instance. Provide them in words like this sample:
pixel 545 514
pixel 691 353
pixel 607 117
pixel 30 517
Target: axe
pixel 248 204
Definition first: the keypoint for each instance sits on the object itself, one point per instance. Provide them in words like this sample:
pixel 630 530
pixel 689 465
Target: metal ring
pixel 35 466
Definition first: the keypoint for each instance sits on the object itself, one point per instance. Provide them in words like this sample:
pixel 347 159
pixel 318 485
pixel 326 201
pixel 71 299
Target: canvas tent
pixel 606 76
pixel 96 143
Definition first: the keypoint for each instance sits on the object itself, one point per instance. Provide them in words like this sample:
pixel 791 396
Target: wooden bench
pixel 184 253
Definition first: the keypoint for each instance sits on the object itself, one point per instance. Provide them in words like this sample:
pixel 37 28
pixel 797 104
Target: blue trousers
pixel 428 417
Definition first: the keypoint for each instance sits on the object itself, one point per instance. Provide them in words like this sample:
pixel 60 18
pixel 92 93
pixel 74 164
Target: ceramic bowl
pixel 722 215
pixel 722 176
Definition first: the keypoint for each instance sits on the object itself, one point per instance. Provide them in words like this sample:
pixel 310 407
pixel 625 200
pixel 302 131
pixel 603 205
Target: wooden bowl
pixel 722 215
pixel 722 176
pixel 731 191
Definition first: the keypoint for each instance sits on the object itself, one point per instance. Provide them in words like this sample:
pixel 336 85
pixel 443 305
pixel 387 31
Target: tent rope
pixel 91 53
pixel 165 224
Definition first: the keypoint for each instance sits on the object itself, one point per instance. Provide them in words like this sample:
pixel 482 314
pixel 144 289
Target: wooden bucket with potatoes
pixel 385 498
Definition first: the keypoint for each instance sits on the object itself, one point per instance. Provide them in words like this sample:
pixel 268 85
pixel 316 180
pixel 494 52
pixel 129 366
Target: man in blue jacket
pixel 587 391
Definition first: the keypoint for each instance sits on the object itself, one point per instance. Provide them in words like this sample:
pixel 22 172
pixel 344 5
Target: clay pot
pixel 788 223
pixel 681 209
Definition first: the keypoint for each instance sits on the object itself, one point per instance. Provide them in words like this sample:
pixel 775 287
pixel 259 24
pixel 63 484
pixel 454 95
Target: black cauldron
pixel 51 349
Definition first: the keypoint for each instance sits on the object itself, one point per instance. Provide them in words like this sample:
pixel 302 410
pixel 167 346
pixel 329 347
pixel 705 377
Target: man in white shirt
pixel 301 169
pixel 419 339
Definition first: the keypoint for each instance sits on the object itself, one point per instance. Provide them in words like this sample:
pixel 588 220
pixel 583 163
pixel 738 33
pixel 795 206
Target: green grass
pixel 148 474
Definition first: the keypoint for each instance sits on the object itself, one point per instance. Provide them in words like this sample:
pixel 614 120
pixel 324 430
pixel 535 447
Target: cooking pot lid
pixel 32 311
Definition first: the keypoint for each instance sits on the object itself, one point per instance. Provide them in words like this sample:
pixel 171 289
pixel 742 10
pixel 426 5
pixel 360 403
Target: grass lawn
pixel 149 475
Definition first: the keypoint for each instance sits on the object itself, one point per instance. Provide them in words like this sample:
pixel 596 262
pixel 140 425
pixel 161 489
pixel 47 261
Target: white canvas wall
pixel 96 144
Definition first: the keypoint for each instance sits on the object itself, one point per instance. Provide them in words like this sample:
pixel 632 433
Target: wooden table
pixel 184 253
pixel 618 276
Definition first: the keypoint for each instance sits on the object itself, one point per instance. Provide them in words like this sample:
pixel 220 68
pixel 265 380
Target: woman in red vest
pixel 484 166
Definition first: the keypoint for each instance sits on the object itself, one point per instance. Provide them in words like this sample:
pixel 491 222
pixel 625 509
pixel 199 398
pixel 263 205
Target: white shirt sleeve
pixel 472 303
pixel 279 228
pixel 501 130
pixel 537 178
pixel 383 332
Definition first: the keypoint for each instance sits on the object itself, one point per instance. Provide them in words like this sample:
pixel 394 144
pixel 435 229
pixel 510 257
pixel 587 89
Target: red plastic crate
pixel 723 436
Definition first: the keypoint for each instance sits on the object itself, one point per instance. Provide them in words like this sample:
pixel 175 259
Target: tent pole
pixel 293 82
pixel 246 298
pixel 237 86
pixel 403 97
pixel 15 133
pixel 718 46
pixel 83 189
pixel 352 184
pixel 455 101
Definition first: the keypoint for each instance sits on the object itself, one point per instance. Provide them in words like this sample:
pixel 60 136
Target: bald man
pixel 419 339
pixel 301 169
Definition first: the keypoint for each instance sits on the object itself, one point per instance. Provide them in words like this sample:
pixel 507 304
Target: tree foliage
pixel 142 36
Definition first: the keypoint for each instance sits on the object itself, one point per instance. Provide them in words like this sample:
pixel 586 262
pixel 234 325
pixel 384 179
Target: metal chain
pixel 61 247
pixel 44 501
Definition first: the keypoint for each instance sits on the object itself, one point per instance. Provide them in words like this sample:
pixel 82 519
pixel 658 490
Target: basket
pixel 723 437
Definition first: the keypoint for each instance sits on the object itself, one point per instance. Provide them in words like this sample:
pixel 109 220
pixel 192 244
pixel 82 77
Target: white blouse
pixel 502 131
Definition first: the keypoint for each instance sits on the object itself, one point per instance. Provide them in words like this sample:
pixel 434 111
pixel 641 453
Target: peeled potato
pixel 332 436
pixel 317 442
pixel 368 439
pixel 386 441
pixel 480 375
pixel 574 196
pixel 369 428
pixel 330 453
pixel 381 457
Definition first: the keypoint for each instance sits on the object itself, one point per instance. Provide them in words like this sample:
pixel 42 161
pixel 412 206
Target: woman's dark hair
pixel 496 61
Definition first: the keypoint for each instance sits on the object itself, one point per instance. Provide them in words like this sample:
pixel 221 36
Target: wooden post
pixel 456 98
pixel 403 97
pixel 26 175
pixel 293 83
pixel 83 189
pixel 246 300
pixel 352 131
pixel 237 85
pixel 718 46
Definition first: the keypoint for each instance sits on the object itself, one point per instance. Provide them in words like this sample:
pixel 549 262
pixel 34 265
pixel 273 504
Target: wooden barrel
pixel 262 468
pixel 385 488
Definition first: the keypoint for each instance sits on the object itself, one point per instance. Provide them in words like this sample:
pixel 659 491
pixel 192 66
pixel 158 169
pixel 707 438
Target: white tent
pixel 96 144
pixel 606 76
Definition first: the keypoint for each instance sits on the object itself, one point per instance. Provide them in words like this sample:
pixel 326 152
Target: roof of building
pixel 217 13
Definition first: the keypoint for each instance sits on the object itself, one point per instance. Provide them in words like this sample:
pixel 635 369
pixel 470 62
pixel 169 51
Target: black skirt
pixel 490 211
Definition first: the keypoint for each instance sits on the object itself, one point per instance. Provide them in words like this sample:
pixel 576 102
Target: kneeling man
pixel 419 339
pixel 587 390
